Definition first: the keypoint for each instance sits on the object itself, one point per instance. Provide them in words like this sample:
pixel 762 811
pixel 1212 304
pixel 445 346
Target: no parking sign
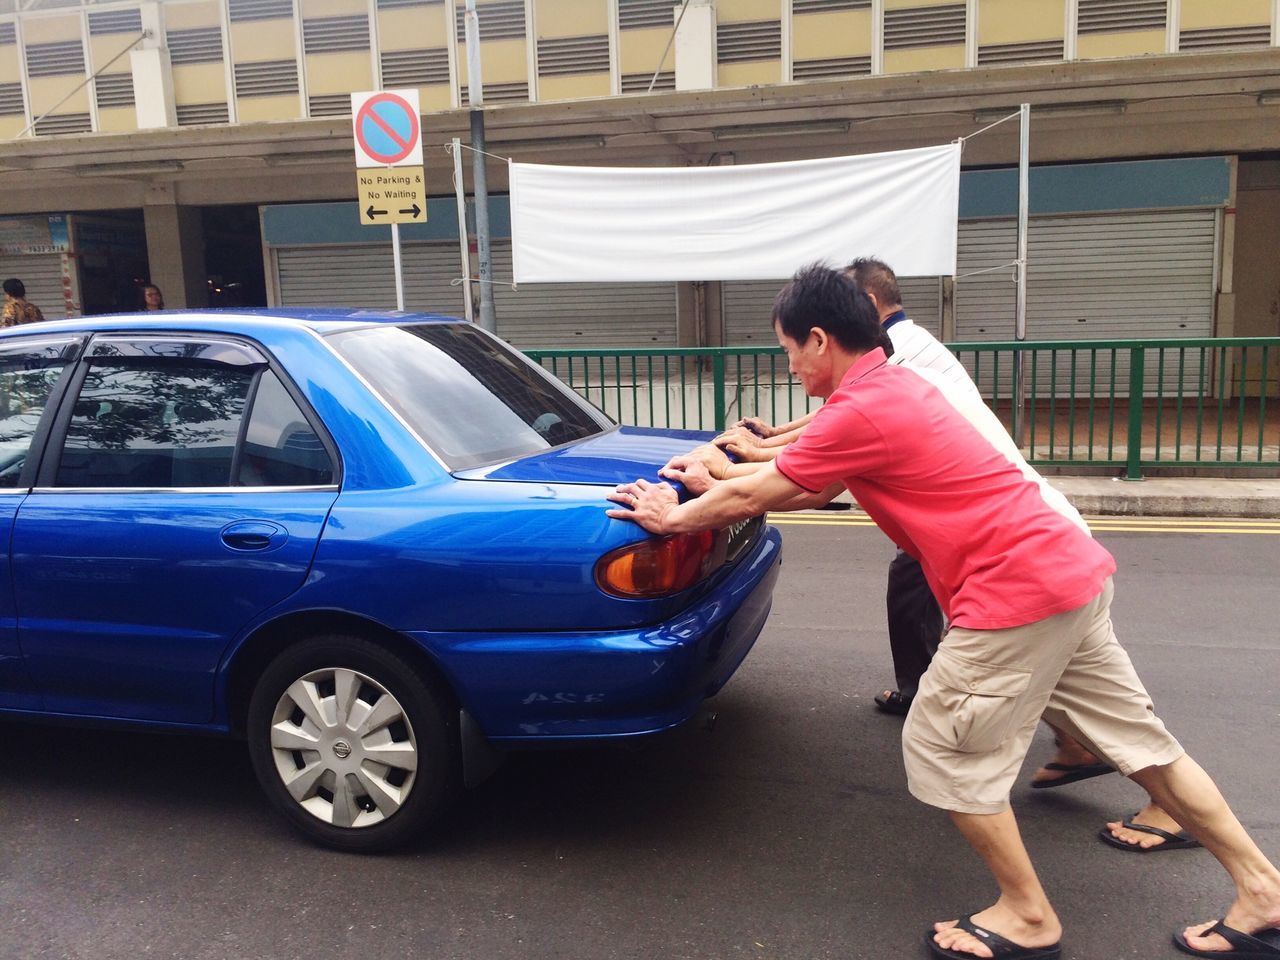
pixel 387 128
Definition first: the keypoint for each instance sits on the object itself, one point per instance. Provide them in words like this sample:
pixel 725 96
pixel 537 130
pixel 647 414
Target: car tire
pixel 353 745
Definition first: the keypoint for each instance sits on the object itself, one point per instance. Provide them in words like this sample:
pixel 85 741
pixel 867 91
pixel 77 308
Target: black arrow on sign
pixel 371 213
pixel 415 210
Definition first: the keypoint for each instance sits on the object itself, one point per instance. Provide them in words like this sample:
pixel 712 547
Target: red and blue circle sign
pixel 387 130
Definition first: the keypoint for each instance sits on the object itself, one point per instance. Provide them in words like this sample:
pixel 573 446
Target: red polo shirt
pixel 995 554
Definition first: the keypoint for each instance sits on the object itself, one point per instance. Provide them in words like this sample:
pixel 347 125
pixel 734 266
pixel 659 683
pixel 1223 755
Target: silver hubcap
pixel 343 747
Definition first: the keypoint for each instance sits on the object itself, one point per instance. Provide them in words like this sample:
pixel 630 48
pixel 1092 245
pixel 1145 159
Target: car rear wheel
pixel 354 746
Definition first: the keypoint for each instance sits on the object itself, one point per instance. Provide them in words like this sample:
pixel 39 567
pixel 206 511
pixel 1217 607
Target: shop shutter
pixel 1095 277
pixel 748 304
pixel 552 316
pixel 41 274
pixel 363 275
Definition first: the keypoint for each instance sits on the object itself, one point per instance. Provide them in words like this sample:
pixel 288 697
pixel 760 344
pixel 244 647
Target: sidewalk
pixel 1167 496
pixel 1172 497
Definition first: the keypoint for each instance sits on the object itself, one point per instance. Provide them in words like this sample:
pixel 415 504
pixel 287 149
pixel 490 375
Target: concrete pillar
pixel 153 75
pixel 696 46
pixel 175 250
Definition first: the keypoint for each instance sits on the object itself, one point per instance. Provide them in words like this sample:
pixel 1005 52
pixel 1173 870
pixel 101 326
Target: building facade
pixel 189 142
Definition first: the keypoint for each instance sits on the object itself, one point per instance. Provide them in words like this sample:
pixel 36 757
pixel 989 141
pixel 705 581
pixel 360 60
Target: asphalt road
pixel 781 830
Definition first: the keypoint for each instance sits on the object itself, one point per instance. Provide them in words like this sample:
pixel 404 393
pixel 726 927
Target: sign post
pixel 390 185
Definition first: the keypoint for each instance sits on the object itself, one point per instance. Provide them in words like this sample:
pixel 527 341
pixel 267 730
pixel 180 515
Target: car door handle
pixel 253 535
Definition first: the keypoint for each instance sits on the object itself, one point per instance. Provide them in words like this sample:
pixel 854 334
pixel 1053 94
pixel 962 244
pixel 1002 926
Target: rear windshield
pixel 473 399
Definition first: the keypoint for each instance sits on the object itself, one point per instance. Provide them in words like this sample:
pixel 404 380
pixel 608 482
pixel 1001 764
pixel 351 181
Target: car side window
pixel 27 378
pixel 149 422
pixel 280 447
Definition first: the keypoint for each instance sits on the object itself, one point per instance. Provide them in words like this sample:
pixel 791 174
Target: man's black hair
pixel 14 288
pixel 818 296
pixel 876 277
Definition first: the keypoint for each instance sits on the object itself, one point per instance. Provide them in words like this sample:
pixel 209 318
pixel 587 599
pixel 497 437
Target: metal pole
pixel 460 193
pixel 1020 313
pixel 475 97
pixel 395 256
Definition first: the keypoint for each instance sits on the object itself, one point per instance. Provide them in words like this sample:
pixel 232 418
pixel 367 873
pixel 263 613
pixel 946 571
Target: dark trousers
pixel 915 622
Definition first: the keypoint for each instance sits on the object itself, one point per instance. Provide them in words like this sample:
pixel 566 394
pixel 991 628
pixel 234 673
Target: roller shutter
pixel 545 315
pixel 553 316
pixel 41 274
pixel 1095 277
pixel 747 304
pixel 363 275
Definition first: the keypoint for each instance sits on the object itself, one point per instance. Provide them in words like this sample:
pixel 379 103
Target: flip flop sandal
pixel 1172 841
pixel 1001 949
pixel 1263 945
pixel 1071 773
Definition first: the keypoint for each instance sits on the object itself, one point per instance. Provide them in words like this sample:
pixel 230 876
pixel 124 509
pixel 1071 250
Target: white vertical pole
pixel 395 255
pixel 463 243
pixel 1020 312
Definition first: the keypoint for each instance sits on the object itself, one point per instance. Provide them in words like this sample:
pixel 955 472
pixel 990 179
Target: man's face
pixel 809 362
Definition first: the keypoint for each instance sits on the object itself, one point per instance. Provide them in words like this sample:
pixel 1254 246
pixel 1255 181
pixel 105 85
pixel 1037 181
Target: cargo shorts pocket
pixel 969 707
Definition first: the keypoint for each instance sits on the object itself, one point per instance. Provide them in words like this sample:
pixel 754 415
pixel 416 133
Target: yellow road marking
pixel 1119 524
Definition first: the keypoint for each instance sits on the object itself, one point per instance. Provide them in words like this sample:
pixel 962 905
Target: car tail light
pixel 658 567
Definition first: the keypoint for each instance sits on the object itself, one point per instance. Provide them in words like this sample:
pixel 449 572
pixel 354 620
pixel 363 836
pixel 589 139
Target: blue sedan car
pixel 375 547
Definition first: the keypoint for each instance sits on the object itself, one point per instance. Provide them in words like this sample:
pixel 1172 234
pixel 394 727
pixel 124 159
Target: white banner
pixel 753 222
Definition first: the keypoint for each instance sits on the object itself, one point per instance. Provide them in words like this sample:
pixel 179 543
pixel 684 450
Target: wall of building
pixel 270 60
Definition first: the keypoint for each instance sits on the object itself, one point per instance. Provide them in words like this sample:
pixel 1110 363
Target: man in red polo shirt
pixel 1027 593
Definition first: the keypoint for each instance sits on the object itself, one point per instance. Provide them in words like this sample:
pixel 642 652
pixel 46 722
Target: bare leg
pixel 1188 793
pixel 1022 914
pixel 1072 752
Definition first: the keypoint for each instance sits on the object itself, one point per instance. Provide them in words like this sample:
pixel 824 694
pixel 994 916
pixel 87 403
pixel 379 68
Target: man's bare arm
pixel 657 508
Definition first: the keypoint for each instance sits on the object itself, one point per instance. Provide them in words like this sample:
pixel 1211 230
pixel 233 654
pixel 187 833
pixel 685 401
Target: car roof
pixel 322 320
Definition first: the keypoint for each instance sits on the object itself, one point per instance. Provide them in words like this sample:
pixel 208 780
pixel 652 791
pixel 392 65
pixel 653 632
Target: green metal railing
pixel 1127 404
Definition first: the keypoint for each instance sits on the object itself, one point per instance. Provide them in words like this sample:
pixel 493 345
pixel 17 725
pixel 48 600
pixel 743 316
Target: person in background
pixel 16 308
pixel 152 298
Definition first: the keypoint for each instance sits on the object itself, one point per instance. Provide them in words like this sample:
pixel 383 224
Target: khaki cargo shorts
pixel 972 721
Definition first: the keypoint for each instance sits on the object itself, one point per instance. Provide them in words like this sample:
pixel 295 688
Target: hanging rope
pixel 448 148
pixel 1003 266
pixel 961 140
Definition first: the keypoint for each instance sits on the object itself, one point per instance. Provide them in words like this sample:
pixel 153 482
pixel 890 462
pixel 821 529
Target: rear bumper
pixel 525 689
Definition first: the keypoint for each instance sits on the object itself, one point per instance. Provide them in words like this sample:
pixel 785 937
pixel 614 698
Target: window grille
pixel 200 114
pixel 241 10
pixel 113 90
pixel 1221 38
pixel 415 68
pixel 1110 16
pixel 566 56
pixel 64 123
pixel 329 105
pixel 828 6
pixel 639 82
pixel 499 92
pixel 748 41
pixel 391 4
pixel 115 21
pixel 201 45
pixel 55 59
pixel 266 78
pixel 11 100
pixel 8 33
pixel 329 34
pixel 646 13
pixel 1020 52
pixel 833 68
pixel 924 27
